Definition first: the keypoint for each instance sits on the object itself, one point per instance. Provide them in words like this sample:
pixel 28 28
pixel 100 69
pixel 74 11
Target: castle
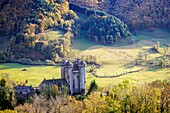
pixel 73 77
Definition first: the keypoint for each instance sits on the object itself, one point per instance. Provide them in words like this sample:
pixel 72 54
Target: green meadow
pixel 34 74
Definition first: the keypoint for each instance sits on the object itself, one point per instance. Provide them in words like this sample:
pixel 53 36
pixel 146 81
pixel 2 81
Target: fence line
pixel 118 75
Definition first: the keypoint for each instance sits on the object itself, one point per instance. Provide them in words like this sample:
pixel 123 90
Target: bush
pixel 49 62
pixel 26 61
pixel 80 97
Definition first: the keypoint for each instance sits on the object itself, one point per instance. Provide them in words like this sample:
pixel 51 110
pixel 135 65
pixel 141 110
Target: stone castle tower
pixel 75 75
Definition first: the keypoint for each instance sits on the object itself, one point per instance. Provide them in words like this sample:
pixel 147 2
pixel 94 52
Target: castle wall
pixel 66 74
pixel 76 82
pixel 62 72
pixel 70 72
pixel 82 79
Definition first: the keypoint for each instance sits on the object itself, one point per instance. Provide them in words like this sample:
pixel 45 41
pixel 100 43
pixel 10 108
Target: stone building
pixel 73 77
pixel 23 91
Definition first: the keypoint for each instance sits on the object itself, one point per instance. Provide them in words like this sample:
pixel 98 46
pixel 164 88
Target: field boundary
pixel 118 75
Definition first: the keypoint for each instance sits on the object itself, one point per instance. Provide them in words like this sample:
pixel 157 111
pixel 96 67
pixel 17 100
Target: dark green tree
pixel 6 95
pixel 93 87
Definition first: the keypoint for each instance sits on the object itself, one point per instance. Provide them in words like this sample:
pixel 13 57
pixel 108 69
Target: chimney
pixel 44 79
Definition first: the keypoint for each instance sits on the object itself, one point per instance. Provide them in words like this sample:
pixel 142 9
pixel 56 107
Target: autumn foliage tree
pixel 23 21
pixel 6 95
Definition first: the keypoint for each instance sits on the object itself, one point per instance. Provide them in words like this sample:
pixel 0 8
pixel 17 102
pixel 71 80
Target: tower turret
pixel 63 64
pixel 82 68
pixel 69 75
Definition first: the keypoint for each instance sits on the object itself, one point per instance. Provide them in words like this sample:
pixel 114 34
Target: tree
pixel 2 55
pixel 26 81
pixel 6 95
pixel 93 87
pixel 54 91
pixel 3 82
pixel 64 91
pixel 71 15
pixel 161 63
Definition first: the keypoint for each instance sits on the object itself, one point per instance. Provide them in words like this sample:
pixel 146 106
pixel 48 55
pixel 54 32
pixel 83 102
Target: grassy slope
pixel 116 58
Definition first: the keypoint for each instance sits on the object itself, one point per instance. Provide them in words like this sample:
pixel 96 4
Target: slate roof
pixel 58 82
pixel 23 89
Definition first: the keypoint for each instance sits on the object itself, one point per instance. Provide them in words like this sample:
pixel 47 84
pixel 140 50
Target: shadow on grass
pixel 154 69
pixel 141 38
pixel 4 66
pixel 10 66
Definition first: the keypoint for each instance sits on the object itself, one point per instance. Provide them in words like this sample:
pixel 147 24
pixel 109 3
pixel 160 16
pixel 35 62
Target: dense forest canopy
pixel 137 14
pixel 106 29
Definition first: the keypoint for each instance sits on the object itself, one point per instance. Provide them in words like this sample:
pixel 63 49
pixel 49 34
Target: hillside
pixel 17 15
pixel 23 21
pixel 105 29
pixel 44 29
pixel 137 14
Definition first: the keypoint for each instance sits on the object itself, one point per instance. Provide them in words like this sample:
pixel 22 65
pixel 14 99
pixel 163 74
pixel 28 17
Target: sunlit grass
pixel 53 34
pixel 34 74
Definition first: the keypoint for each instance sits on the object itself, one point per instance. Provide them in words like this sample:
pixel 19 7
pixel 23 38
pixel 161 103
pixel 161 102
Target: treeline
pixel 122 98
pixel 24 20
pixel 137 14
pixel 86 11
pixel 105 29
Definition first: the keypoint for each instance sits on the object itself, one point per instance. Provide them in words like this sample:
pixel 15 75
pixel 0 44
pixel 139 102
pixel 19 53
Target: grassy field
pixel 121 57
pixel 53 34
pixel 115 59
pixel 34 74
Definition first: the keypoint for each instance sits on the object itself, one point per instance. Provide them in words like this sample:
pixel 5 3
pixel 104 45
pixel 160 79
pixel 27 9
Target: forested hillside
pixel 105 29
pixel 23 20
pixel 137 14
pixel 25 23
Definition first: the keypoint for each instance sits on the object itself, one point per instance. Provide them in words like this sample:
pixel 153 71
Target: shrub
pixel 48 62
pixel 26 61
